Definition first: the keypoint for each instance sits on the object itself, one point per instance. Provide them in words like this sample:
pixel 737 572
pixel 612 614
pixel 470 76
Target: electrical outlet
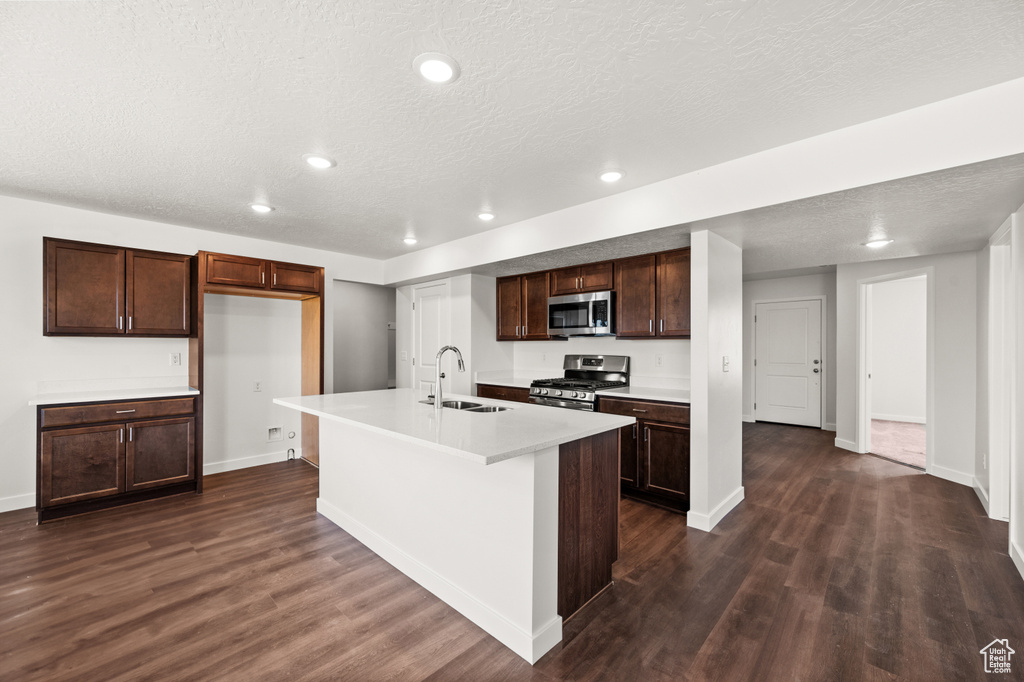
pixel 257 386
pixel 658 360
pixel 725 363
pixel 175 359
pixel 274 433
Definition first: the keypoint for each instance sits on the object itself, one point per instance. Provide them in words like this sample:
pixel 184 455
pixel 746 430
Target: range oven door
pixel 591 314
pixel 558 402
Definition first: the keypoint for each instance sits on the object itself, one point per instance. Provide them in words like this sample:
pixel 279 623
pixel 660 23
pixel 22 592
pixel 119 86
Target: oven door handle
pixel 569 404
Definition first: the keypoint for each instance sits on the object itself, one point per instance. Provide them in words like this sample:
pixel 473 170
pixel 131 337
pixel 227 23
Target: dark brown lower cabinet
pixel 654 453
pixel 84 467
pixel 513 393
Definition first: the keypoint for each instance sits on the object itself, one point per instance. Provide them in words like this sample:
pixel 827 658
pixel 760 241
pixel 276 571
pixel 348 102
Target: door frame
pixel 1001 368
pixel 824 350
pixel 863 402
pixel 413 339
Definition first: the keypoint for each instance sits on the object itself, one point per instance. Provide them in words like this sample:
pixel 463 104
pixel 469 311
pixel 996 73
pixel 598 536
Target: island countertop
pixel 483 437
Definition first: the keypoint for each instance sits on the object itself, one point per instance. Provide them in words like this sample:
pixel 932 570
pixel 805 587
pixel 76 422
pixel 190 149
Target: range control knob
pixel 543 391
pixel 558 393
pixel 577 395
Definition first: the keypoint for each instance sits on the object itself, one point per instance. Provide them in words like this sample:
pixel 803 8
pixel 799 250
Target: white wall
pixel 716 409
pixel 32 362
pixel 362 313
pixel 784 288
pixel 954 279
pixel 249 340
pixel 899 345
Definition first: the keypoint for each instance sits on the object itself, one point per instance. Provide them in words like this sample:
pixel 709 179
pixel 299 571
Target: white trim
pixel 961 477
pixel 898 418
pixel 981 493
pixel 17 502
pixel 246 462
pixel 1003 233
pixel 830 426
pixel 706 522
pixel 530 646
pixel 1017 554
pixel 823 330
pixel 847 445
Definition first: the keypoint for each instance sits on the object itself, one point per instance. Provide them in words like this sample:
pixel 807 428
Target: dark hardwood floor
pixel 836 567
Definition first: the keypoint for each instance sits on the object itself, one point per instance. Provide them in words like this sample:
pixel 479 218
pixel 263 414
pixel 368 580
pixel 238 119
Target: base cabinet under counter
pixel 495 392
pixel 655 452
pixel 87 460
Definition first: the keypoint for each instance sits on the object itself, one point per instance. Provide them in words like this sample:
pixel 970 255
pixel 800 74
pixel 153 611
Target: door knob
pixel 817 361
pixel 816 370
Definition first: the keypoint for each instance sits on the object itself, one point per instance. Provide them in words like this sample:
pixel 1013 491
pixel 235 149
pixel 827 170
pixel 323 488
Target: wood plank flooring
pixel 836 567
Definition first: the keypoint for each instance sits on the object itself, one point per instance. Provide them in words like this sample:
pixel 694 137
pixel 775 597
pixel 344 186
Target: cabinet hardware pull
pixel 129 323
pixel 636 410
pixel 647 431
pixel 274 283
pixel 517 331
pixel 263 278
pixel 650 326
pixel 662 329
pixel 120 321
pixel 122 434
pixel 130 430
pixel 123 411
pixel 634 431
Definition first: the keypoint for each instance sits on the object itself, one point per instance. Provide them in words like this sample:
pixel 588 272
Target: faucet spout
pixel 438 374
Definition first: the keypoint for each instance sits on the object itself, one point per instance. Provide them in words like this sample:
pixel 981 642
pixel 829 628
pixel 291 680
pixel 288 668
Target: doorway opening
pixel 895 370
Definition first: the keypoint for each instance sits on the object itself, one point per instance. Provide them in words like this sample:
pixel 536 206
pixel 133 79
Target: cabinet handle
pixel 123 411
pixel 650 326
pixel 263 278
pixel 634 431
pixel 120 321
pixel 646 431
pixel 517 331
pixel 129 323
pixel 524 330
pixel 636 410
pixel 122 434
pixel 662 327
pixel 130 430
pixel 274 283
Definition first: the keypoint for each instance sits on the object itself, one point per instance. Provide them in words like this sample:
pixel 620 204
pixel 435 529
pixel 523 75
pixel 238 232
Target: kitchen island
pixel 510 517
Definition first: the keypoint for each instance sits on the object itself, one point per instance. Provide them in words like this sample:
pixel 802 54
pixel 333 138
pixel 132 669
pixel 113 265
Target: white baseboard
pixel 981 493
pixel 898 418
pixel 847 445
pixel 706 522
pixel 246 462
pixel 1017 554
pixel 530 646
pixel 830 426
pixel 17 502
pixel 951 475
pixel 748 417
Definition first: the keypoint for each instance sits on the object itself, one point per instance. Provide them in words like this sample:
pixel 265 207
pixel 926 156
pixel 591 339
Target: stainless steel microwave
pixel 590 314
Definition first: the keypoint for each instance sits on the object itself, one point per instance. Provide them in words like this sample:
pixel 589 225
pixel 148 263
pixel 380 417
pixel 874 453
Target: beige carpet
pixel 902 442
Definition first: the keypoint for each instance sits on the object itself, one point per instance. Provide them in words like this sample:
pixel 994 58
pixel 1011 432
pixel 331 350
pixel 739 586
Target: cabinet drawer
pixel 112 412
pixel 645 409
pixel 518 395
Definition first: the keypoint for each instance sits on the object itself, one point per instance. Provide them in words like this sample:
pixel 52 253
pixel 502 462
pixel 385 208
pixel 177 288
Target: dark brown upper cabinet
pixel 592 277
pixel 100 290
pixel 253 273
pixel 653 295
pixel 522 307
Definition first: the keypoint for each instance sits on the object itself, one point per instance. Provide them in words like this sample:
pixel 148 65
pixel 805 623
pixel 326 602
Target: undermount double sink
pixel 467 406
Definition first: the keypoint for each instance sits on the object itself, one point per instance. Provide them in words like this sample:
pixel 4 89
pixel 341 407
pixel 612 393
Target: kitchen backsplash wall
pixel 653 362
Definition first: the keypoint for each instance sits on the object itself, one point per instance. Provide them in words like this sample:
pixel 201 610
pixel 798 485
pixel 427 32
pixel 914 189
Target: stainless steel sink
pixel 460 404
pixel 488 408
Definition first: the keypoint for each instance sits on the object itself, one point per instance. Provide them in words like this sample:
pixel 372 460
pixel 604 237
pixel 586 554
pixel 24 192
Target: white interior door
pixel 431 330
pixel 787 362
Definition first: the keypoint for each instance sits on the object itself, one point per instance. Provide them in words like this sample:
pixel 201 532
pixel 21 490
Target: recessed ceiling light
pixel 612 175
pixel 317 161
pixel 879 243
pixel 486 216
pixel 436 67
pixel 410 240
pixel 261 208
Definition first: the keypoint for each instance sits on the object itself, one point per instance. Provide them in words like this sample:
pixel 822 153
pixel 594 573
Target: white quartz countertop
pixel 111 394
pixel 669 395
pixel 484 437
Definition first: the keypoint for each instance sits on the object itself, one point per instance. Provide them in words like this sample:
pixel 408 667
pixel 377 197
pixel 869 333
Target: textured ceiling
pixel 185 112
pixel 943 212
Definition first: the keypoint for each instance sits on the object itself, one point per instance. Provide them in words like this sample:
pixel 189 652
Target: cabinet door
pixel 288 277
pixel 565 281
pixel 84 288
pixel 158 293
pixel 597 277
pixel 81 464
pixel 534 300
pixel 509 307
pixel 634 297
pixel 674 293
pixel 629 456
pixel 512 393
pixel 160 452
pixel 667 459
pixel 235 271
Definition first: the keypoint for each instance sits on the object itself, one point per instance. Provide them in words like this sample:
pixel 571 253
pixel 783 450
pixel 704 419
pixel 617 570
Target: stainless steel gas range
pixel 584 375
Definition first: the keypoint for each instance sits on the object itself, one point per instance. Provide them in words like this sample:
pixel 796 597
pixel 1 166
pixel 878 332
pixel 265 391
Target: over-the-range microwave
pixel 591 314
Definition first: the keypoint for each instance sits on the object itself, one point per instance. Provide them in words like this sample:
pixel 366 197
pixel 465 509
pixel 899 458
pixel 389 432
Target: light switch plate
pixel 725 363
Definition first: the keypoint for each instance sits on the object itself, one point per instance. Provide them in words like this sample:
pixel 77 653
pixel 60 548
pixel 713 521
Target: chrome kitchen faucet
pixel 438 374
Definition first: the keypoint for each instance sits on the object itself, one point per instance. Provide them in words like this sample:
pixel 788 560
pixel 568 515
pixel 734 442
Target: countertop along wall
pixel 32 361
